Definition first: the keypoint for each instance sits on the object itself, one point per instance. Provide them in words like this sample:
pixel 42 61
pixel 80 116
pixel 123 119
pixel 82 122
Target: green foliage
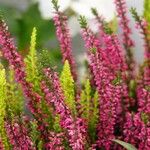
pixel 32 61
pixel 125 145
pixel 90 110
pixel 50 58
pixel 55 3
pixel 132 88
pixel 117 80
pixel 68 87
pixel 82 21
pixel 35 136
pixel 15 99
pixel 135 14
pixel 145 118
pixel 147 10
pixel 94 11
pixel 93 50
pixel 94 116
pixel 57 127
pixel 3 97
pixel 101 21
pixel 86 100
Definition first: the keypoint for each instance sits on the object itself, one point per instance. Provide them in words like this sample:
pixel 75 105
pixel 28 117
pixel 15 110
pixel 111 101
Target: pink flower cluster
pixel 136 131
pixel 75 128
pixel 18 136
pixel 55 141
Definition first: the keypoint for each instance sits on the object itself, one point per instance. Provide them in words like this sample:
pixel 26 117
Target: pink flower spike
pixel 64 39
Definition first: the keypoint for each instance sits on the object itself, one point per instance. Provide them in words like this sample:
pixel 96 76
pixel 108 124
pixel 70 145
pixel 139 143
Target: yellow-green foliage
pixel 147 10
pixel 3 97
pixel 14 96
pixel 35 135
pixel 89 103
pixel 95 108
pixel 68 87
pixel 94 116
pixel 86 100
pixel 57 127
pixel 32 62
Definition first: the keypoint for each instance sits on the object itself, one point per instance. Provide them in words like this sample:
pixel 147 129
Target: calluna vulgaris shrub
pixel 40 109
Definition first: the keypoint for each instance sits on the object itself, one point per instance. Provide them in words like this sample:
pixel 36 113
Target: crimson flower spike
pixel 127 41
pixel 63 35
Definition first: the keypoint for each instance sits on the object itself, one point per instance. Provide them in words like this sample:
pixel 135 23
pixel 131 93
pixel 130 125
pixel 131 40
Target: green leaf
pixel 125 145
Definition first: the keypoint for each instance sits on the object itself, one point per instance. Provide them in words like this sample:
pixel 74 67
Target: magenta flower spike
pixel 63 35
pixel 134 131
pixel 75 128
pixel 105 71
pixel 55 141
pixel 18 136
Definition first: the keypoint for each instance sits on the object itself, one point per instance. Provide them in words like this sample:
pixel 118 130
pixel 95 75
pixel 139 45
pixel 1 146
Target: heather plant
pixel 42 108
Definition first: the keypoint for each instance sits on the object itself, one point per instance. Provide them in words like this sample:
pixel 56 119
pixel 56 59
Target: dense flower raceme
pixel 136 131
pixel 103 69
pixel 56 141
pixel 18 136
pixel 75 128
pixel 119 106
pixel 108 101
pixel 64 38
pixel 111 47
